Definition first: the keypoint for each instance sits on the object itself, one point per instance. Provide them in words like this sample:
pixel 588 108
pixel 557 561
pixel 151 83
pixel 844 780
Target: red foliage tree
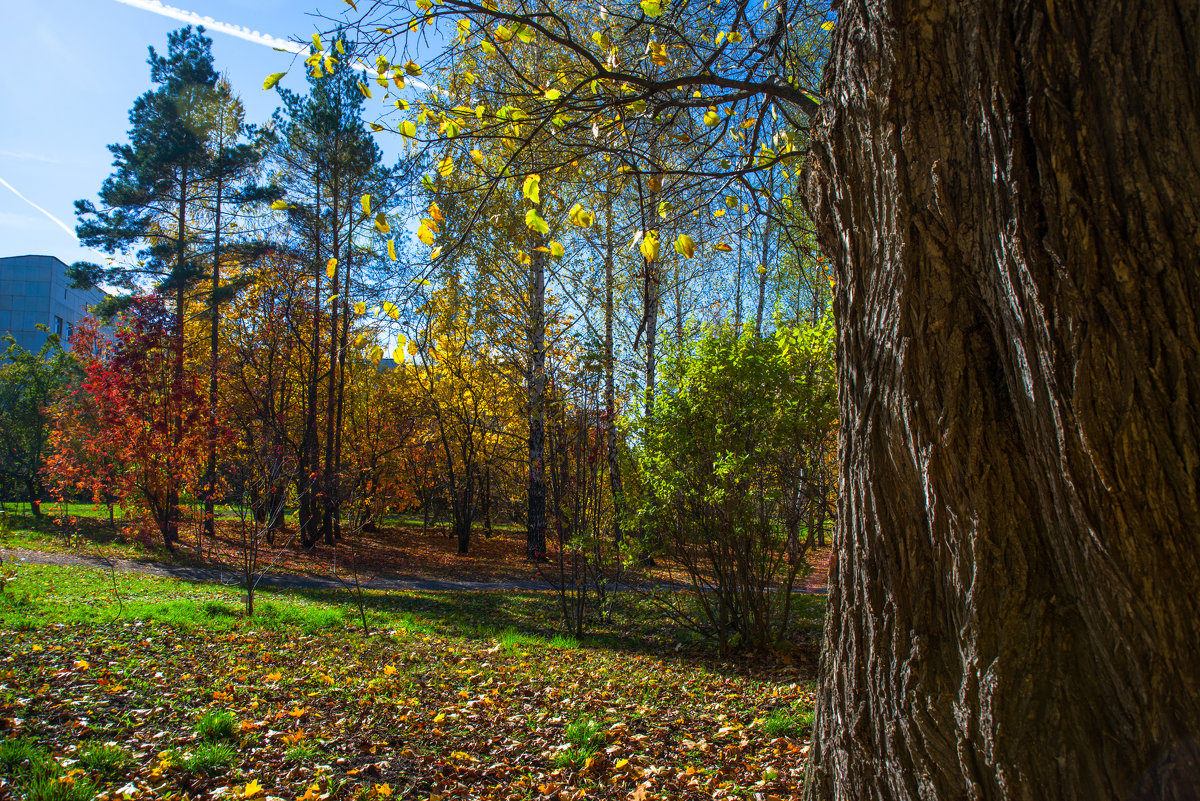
pixel 134 431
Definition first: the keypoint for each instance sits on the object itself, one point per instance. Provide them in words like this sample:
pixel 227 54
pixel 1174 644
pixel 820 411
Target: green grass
pixel 585 737
pixel 445 684
pixel 107 759
pixel 19 757
pixel 40 775
pixel 209 759
pixel 217 724
pixel 793 722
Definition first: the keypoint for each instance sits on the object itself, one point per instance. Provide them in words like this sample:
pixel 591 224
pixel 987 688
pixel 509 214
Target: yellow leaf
pixel 253 788
pixel 376 354
pixel 412 68
pixel 446 167
pixel 280 205
pixel 487 47
pixel 82 664
pixel 556 250
pixel 439 717
pixel 684 246
pixel 425 235
pixel 362 87
pixel 719 213
pixel 351 4
pixel 276 676
pixel 649 246
pixel 313 793
pixel 331 268
pixel 383 790
pixel 408 128
pixel 531 190
pixel 273 79
pixel 435 211
pixel 366 205
pixel 711 118
pixel 827 26
pixel 651 8
pixel 436 252
pixel 535 223
pixel 398 358
pixel 735 37
pixel 390 310
pixel 317 41
pixel 381 224
pixel 341 48
pixel 477 156
pixel 392 249
pixel 723 247
pixel 412 348
pixel 360 308
pixel 552 94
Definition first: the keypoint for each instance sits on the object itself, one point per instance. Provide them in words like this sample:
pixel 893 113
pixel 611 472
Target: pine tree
pixel 152 201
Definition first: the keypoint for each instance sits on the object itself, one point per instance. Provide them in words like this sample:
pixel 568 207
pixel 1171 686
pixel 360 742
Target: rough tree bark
pixel 1010 193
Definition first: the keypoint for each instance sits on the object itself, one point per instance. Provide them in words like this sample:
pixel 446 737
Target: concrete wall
pixel 35 289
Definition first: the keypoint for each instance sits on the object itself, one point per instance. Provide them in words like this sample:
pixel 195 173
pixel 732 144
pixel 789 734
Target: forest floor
pixel 122 685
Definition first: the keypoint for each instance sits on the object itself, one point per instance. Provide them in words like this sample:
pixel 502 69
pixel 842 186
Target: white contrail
pixel 14 154
pixel 241 32
pixel 53 219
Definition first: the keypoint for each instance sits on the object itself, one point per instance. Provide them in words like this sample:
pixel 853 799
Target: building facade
pixel 35 290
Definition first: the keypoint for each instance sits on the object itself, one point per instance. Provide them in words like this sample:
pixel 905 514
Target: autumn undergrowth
pixel 173 692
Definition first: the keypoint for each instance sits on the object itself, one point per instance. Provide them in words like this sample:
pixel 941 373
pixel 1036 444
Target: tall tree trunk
pixel 762 278
pixel 172 514
pixel 328 484
pixel 650 321
pixel 1010 193
pixel 610 395
pixel 308 447
pixel 210 479
pixel 535 525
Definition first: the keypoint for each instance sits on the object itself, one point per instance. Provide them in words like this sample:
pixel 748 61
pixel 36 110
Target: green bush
pixel 735 472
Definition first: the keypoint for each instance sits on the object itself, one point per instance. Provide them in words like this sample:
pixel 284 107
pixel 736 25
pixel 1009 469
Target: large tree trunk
pixel 1010 192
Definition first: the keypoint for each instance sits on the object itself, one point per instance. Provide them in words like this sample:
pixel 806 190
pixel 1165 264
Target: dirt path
pixel 217 575
pixel 815 583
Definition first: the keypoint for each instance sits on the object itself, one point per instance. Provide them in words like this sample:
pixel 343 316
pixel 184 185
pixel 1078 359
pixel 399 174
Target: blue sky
pixel 73 69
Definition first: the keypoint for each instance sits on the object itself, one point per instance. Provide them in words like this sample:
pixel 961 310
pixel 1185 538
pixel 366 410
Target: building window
pixel 58 325
pixel 70 331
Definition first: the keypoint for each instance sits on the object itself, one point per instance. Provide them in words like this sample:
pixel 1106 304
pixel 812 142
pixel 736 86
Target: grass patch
pixel 585 737
pixel 107 759
pixel 40 775
pixel 208 759
pixel 793 722
pixel 217 724
pixel 20 757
